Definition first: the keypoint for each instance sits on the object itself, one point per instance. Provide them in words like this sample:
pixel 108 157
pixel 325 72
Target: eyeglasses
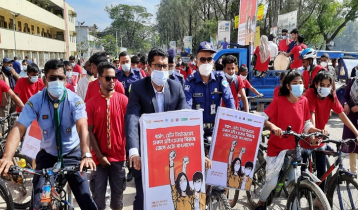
pixel 160 66
pixel 108 78
pixel 208 59
pixel 55 78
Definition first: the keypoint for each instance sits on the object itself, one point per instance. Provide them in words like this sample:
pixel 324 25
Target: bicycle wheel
pixel 217 201
pixel 21 187
pixel 309 192
pixel 258 180
pixel 348 190
pixel 6 201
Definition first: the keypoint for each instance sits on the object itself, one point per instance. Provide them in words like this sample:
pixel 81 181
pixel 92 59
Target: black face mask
pixel 90 73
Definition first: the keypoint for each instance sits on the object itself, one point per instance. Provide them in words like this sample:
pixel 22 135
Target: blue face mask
pixel 297 90
pixel 8 68
pixel 56 88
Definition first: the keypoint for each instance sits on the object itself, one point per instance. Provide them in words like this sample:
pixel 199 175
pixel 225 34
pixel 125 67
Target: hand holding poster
pixel 173 160
pixel 234 148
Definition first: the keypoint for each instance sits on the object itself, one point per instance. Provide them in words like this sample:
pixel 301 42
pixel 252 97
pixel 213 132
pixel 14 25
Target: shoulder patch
pixel 78 103
pixel 225 83
pixel 186 87
pixel 30 104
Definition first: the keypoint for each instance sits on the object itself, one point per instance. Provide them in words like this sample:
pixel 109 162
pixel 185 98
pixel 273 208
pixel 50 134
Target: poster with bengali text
pixel 173 160
pixel 234 149
pixel 247 22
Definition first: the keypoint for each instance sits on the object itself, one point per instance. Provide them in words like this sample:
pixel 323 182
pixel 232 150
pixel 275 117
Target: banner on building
pixel 287 21
pixel 237 17
pixel 234 148
pixel 32 139
pixel 188 44
pixel 260 12
pixel 173 160
pixel 257 36
pixel 172 45
pixel 223 38
pixel 247 22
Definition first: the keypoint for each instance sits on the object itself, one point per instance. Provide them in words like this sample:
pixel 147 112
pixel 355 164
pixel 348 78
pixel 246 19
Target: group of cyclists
pixel 302 101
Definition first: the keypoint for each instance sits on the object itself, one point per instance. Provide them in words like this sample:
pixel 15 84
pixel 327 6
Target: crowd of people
pixel 93 119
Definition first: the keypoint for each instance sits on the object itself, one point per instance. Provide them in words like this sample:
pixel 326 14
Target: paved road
pixel 334 127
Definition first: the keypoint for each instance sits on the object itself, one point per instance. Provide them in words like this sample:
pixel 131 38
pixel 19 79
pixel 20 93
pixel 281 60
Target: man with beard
pixel 84 81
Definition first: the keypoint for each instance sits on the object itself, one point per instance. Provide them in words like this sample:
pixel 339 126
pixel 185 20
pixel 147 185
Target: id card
pixel 212 109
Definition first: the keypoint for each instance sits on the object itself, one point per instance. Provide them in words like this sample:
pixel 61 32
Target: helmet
pixel 308 53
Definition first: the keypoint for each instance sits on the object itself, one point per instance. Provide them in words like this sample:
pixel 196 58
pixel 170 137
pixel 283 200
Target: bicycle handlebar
pixel 15 114
pixel 16 170
pixel 290 132
pixel 254 97
pixel 339 142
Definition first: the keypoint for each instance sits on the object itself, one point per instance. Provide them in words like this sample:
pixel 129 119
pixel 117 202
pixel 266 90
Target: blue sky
pixel 92 11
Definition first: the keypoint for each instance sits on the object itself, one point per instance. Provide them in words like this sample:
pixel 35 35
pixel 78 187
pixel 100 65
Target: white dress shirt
pixel 83 85
pixel 273 49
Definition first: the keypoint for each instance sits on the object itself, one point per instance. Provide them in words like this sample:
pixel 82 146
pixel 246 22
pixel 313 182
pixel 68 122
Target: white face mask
pixel 159 77
pixel 284 37
pixel 237 167
pixel 24 68
pixel 229 77
pixel 206 68
pixel 197 186
pixel 248 171
pixel 171 71
pixel 126 67
pixel 323 91
pixel 34 79
pixel 193 63
pixel 68 74
pixel 73 65
pixel 183 186
pixel 324 64
pixel 243 77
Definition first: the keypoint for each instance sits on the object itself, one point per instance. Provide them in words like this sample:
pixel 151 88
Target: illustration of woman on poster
pixel 199 196
pixel 234 170
pixel 247 180
pixel 183 197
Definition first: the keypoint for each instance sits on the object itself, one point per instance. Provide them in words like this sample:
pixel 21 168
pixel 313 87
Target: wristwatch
pixel 87 155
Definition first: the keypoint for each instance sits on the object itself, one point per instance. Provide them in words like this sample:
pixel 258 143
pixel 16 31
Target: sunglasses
pixel 55 78
pixel 160 66
pixel 108 78
pixel 204 60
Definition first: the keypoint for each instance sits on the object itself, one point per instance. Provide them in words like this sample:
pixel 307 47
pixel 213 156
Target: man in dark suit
pixel 153 94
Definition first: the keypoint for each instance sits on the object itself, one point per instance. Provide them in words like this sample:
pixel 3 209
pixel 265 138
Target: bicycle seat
pixel 266 133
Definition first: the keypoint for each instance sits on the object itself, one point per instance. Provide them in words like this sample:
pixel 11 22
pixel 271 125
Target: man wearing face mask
pixel 294 34
pixel 84 81
pixel 247 180
pixel 324 63
pixel 127 75
pixel 308 56
pixel 23 72
pixel 199 196
pixel 173 74
pixel 61 115
pixel 283 45
pixel 192 63
pixel 135 63
pixel 30 85
pixel 70 82
pixel 152 94
pixel 75 67
pixel 94 86
pixel 205 89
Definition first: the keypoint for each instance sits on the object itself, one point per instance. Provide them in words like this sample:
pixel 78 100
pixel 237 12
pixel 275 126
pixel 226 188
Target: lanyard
pixel 58 125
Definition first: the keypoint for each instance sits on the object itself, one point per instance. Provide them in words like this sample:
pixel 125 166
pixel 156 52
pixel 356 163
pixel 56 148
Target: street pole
pixel 117 46
pixel 15 16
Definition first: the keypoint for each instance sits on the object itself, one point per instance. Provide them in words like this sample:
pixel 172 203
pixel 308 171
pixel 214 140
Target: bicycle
pixel 252 98
pixel 10 121
pixel 53 194
pixel 6 202
pixel 340 180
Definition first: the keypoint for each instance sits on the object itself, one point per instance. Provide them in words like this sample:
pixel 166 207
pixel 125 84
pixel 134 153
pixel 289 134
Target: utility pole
pixel 117 45
pixel 79 36
pixel 15 16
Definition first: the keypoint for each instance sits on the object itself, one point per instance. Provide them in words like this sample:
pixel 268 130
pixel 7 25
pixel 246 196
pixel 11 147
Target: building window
pixel 38 30
pixel 32 29
pixel 26 28
pixel 19 25
pixel 43 32
pixel 2 21
pixel 11 25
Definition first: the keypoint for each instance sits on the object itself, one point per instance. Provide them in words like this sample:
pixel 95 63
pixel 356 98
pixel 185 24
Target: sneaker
pixel 317 204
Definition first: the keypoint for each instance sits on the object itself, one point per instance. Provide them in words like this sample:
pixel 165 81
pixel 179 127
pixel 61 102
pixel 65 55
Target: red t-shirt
pixel 283 113
pixel 234 92
pixel 247 84
pixel 276 91
pixel 4 88
pixel 261 66
pixel 143 73
pixel 193 67
pixel 296 54
pixel 307 78
pixel 78 69
pixel 70 87
pixel 282 46
pixel 186 73
pixel 96 109
pixel 25 90
pixel 322 110
pixel 93 89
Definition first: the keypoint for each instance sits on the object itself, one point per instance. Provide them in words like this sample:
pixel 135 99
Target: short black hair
pixel 67 63
pixel 15 58
pixel 144 59
pixel 54 64
pixel 26 57
pixel 32 67
pixel 71 58
pixel 283 75
pixel 271 37
pixel 98 57
pixel 325 55
pixel 24 61
pixel 294 31
pixel 170 59
pixel 178 65
pixel 229 60
pixel 249 164
pixel 300 38
pixel 122 54
pixel 104 65
pixel 156 52
pixel 291 75
pixel 243 69
pixel 284 31
pixel 135 59
pixel 192 57
pixel 197 176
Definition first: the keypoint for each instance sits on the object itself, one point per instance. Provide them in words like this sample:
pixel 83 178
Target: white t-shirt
pixel 273 49
pixel 83 85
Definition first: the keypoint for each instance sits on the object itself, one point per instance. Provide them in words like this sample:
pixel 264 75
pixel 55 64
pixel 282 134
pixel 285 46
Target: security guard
pixel 206 88
pixel 173 74
pixel 62 117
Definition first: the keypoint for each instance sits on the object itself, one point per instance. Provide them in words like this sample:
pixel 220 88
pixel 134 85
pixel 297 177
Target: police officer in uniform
pixel 173 74
pixel 62 117
pixel 206 88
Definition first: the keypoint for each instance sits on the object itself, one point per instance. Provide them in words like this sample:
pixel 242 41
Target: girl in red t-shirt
pixel 262 53
pixel 288 109
pixel 321 100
